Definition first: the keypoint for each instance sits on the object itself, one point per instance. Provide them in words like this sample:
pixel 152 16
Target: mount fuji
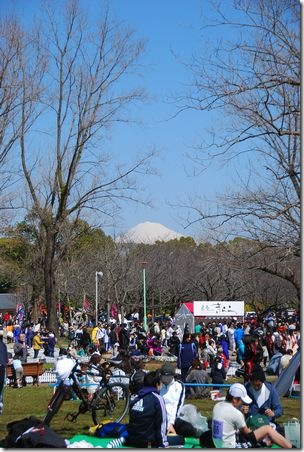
pixel 148 233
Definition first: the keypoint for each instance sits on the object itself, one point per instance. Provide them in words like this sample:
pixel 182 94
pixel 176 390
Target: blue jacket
pixel 238 334
pixel 186 353
pixel 147 420
pixel 273 401
pixel 225 348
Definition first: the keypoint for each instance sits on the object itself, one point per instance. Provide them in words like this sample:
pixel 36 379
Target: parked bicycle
pixel 110 400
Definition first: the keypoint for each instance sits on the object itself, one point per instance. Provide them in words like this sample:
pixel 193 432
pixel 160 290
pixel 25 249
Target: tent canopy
pixel 8 302
pixel 183 316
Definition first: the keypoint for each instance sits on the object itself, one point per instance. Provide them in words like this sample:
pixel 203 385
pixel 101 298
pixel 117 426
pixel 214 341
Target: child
pixel 18 371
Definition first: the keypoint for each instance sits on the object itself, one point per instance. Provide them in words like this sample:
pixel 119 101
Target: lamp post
pixel 96 295
pixel 144 263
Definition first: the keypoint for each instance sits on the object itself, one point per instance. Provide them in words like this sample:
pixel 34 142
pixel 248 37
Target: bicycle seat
pixel 116 361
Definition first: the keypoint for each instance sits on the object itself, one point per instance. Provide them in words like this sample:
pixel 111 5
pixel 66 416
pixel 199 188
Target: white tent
pixel 184 316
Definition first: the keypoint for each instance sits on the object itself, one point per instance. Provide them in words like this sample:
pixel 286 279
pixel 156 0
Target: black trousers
pixel 2 382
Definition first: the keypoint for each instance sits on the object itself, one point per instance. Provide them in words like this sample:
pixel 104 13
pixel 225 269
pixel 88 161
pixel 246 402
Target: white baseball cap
pixel 239 390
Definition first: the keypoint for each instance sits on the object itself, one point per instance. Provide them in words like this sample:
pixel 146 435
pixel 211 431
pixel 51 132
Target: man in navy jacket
pixel 265 399
pixel 148 418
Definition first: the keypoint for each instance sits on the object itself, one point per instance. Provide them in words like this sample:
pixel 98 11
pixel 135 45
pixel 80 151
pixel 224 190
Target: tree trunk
pixel 52 323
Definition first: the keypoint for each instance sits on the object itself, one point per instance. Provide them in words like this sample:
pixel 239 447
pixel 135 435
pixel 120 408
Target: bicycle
pixel 110 400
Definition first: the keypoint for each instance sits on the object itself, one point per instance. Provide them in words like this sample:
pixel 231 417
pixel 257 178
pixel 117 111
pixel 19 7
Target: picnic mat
pixel 103 442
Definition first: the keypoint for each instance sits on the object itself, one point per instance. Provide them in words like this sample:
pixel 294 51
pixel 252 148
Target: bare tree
pixel 253 78
pixel 77 91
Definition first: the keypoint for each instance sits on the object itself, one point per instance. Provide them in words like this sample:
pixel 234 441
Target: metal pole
pixel 96 292
pixel 96 298
pixel 145 303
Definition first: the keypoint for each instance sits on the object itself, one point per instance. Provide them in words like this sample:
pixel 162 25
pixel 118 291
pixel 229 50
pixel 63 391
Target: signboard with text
pixel 218 308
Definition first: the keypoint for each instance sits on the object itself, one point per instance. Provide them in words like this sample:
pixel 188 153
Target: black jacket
pixel 147 420
pixel 124 339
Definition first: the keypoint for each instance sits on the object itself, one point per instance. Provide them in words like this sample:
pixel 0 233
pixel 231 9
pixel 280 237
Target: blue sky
pixel 168 26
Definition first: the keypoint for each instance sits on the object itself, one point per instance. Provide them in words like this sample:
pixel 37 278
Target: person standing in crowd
pixel 186 354
pixel 198 328
pixel 163 335
pixel 253 355
pixel 94 338
pixel 173 344
pixel 222 340
pixel 228 421
pixel 50 344
pixel 29 335
pixel 105 330
pixel 9 332
pixel 3 363
pixel 85 339
pixel 231 339
pixel 173 393
pixel 123 338
pixel 18 370
pixel 291 341
pixel 113 339
pixel 238 336
pixel 277 340
pixel 37 344
pixel 20 349
pixel 16 332
pixel 265 352
pixel 269 344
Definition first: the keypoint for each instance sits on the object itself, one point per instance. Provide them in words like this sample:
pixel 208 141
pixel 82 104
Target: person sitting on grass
pixel 197 374
pixel 228 421
pixel 173 393
pixel 265 399
pixel 147 417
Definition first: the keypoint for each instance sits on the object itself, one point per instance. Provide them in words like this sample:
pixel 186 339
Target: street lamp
pixel 144 263
pixel 96 295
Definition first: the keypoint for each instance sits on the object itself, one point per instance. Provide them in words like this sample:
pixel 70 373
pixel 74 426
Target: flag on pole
pixel 86 304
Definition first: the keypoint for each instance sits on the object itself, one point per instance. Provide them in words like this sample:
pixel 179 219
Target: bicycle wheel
pixel 111 403
pixel 54 405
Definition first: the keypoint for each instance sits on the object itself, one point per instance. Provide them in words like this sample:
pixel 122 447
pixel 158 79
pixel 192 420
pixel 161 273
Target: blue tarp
pixel 286 378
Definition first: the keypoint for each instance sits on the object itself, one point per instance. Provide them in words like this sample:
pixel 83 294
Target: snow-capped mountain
pixel 148 233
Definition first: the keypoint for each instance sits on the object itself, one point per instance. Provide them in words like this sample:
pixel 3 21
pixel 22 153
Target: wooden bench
pixel 33 370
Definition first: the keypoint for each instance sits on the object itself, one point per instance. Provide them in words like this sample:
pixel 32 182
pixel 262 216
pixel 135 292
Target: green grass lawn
pixel 32 400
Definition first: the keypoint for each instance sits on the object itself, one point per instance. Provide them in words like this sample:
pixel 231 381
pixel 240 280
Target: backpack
pixel 274 364
pixel 31 433
pixel 111 430
pixel 206 441
pixel 16 428
pixel 184 428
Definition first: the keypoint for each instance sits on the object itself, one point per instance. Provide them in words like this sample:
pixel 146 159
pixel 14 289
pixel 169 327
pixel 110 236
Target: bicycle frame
pixel 64 389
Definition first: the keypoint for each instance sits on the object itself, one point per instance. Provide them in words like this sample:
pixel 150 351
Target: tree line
pixel 176 271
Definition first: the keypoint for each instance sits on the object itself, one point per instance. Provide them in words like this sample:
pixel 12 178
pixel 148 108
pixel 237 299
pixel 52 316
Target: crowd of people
pixel 201 356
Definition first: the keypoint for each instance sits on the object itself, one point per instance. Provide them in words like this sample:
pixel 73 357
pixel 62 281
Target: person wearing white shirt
pixel 173 393
pixel 228 420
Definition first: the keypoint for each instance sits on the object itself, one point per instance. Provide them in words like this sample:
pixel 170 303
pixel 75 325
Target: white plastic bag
pixel 293 432
pixel 64 366
pixel 191 414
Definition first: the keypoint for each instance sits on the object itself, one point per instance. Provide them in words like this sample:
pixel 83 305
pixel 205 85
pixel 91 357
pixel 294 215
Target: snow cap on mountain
pixel 149 233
